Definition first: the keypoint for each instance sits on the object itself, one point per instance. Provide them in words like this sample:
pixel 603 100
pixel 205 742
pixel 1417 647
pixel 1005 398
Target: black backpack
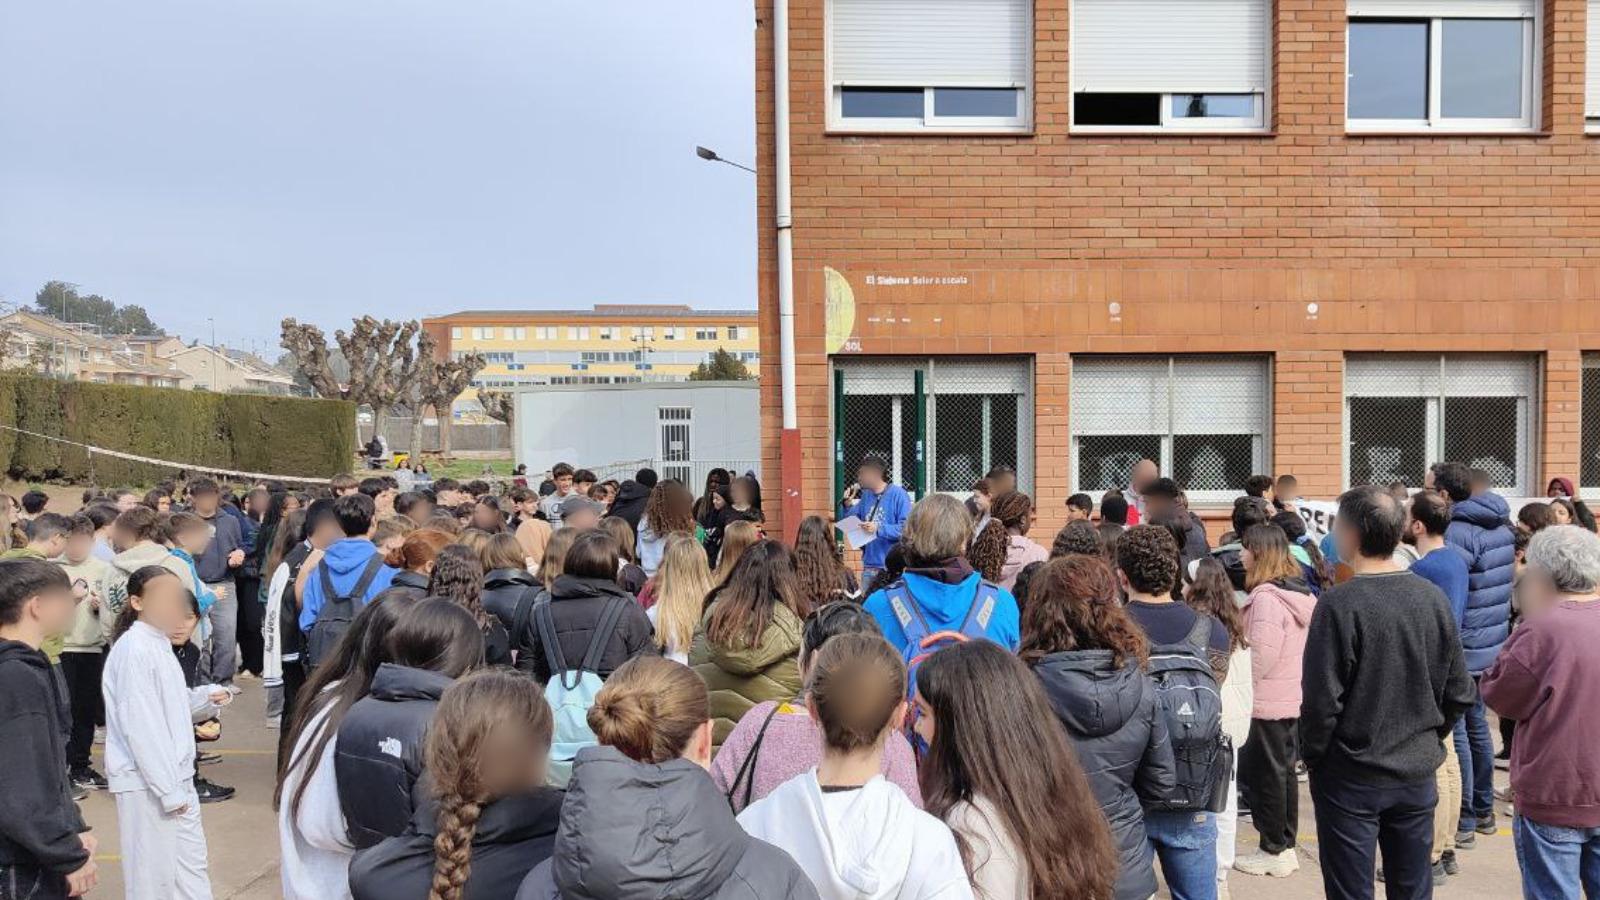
pixel 1188 700
pixel 333 619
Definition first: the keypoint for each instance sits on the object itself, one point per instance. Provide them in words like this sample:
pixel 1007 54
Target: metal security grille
pixel 1404 412
pixel 677 429
pixel 939 423
pixel 1205 419
pixel 1589 468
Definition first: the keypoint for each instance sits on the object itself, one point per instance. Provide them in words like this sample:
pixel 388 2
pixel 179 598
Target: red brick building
pixel 1332 238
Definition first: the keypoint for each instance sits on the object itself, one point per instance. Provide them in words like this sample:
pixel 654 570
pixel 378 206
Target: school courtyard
pixel 242 833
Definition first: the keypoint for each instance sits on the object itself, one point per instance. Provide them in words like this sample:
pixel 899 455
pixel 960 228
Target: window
pixel 738 333
pixel 1204 419
pixel 577 332
pixel 482 333
pixel 705 334
pixel 1591 72
pixel 1441 64
pixel 1404 412
pixel 671 333
pixel 517 333
pixel 940 423
pixel 1151 65
pixel 1589 440
pixel 545 332
pixel 609 334
pixel 642 333
pixel 595 356
pixel 455 334
pixel 914 65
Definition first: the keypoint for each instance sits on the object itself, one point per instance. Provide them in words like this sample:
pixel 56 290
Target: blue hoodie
pixel 1480 529
pixel 890 513
pixel 346 560
pixel 945 606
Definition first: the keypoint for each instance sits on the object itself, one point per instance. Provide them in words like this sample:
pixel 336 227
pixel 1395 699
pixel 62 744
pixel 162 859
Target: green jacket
pixel 52 645
pixel 740 677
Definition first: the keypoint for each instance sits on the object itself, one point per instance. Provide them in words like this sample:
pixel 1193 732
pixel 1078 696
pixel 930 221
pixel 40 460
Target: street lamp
pixel 711 156
pixel 213 324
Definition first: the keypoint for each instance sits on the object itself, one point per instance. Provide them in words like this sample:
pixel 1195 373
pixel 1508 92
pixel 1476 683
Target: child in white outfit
pixel 150 744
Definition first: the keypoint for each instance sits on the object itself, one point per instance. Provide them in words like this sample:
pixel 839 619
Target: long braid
pixel 452 849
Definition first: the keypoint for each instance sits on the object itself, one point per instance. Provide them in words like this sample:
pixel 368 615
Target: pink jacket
pixel 1019 553
pixel 1276 621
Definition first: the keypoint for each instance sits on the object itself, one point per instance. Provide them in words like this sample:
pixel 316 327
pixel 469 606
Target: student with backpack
pixel 940 598
pixel 1002 774
pixel 851 831
pixel 45 846
pixel 486 817
pixel 747 640
pixel 586 629
pixel 1089 657
pixel 313 839
pixel 378 756
pixel 509 589
pixel 1186 648
pixel 458 577
pixel 334 585
pixel 778 739
pixel 653 722
pixel 1277 620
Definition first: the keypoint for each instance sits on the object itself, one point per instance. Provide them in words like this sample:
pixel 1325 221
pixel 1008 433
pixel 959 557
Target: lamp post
pixel 213 324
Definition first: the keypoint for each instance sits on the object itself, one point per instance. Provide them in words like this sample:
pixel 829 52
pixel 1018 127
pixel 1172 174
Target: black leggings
pixel 82 673
pixel 1266 765
pixel 251 614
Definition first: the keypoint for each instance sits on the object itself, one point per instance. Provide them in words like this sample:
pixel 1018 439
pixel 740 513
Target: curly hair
pixel 1072 605
pixel 470 713
pixel 1080 537
pixel 670 509
pixel 816 562
pixel 458 577
pixel 1148 557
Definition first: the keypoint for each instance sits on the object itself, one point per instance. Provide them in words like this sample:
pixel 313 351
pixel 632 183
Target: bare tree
pixel 437 383
pixel 497 405
pixel 382 356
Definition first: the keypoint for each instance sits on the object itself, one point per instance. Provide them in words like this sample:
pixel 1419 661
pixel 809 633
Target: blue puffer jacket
pixel 1479 529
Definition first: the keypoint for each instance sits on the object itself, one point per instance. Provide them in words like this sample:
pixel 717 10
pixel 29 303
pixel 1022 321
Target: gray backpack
pixel 333 619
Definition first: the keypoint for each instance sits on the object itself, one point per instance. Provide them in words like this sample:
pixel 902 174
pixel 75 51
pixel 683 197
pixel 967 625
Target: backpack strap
pixel 366 579
pixel 908 613
pixel 747 770
pixel 519 615
pixel 546 625
pixel 329 592
pixel 602 634
pixel 982 608
pixel 1200 635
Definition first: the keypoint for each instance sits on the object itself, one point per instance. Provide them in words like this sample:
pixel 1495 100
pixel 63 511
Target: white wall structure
pixel 682 430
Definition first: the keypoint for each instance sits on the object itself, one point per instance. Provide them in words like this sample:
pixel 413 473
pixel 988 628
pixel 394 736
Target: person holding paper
pixel 882 508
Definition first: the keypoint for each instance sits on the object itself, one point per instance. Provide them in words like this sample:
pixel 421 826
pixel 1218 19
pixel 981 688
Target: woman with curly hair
pixel 1002 548
pixel 1089 656
pixel 823 577
pixel 487 818
pixel 670 510
pixel 458 577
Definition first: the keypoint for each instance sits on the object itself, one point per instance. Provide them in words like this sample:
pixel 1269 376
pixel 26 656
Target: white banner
pixel 1319 514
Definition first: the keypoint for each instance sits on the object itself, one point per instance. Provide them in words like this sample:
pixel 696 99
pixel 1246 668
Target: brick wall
pixel 1487 243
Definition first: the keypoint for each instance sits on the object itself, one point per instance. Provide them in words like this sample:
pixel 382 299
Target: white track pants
pixel 163 854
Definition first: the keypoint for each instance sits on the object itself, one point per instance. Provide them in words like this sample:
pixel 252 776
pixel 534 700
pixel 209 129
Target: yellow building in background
pixel 609 344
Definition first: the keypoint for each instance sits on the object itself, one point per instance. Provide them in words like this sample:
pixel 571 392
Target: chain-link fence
pixel 1404 412
pixel 938 423
pixel 1589 436
pixel 1203 419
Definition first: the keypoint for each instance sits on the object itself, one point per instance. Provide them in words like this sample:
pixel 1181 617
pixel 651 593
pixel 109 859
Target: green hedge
pixel 247 432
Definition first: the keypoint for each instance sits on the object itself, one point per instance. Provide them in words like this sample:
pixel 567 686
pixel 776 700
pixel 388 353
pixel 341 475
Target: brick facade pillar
pixel 1562 426
pixel 1052 443
pixel 1308 420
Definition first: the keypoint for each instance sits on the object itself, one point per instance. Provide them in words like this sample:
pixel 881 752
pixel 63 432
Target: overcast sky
pixel 255 159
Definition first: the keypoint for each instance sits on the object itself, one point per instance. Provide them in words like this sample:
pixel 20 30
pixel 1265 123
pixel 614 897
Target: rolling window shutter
pixel 1119 395
pixel 1591 72
pixel 1169 46
pixel 1219 395
pixel 1442 9
pixel 930 43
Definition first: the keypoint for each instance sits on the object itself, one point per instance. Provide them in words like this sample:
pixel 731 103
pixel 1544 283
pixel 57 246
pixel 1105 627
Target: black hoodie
pixel 514 834
pixel 39 823
pixel 378 755
pixel 509 594
pixel 1110 715
pixel 629 505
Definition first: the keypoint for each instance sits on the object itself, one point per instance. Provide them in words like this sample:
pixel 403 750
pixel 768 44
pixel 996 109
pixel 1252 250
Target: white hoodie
pixel 863 844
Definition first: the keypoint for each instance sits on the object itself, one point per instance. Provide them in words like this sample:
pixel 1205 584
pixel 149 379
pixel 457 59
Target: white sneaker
pixel 1277 865
pixel 1222 891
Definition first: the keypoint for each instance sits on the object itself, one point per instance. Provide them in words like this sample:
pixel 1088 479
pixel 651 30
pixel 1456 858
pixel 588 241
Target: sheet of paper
pixel 854 533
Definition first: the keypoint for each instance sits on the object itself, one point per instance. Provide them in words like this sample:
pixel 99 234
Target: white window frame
pixel 455 333
pixel 1021 123
pixel 1435 13
pixel 609 333
pixel 515 333
pixel 577 332
pixel 738 332
pixel 1256 124
pixel 546 333
pixel 483 333
pixel 706 334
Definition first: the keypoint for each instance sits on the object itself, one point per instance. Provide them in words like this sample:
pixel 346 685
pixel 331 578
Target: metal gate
pixel 677 430
pixel 939 423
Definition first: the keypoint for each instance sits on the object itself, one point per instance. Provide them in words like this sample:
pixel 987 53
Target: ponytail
pixel 452 849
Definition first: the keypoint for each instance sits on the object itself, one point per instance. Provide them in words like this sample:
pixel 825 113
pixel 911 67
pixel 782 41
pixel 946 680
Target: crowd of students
pixel 588 690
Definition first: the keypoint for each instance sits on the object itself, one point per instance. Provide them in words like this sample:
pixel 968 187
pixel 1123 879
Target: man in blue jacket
pixel 882 508
pixel 1480 529
pixel 346 560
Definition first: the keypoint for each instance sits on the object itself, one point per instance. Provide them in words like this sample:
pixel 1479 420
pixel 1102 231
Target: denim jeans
pixel 1557 861
pixel 1186 844
pixel 1356 820
pixel 1475 747
pixel 223 660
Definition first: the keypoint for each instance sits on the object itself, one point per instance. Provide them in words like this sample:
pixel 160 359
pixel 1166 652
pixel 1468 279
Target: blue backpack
pixel 922 642
pixel 571 692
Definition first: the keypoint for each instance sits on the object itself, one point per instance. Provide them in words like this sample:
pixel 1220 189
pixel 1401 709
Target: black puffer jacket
pixel 509 594
pixel 629 505
pixel 514 834
pixel 634 831
pixel 412 584
pixel 1111 716
pixel 378 755
pixel 39 823
pixel 576 605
